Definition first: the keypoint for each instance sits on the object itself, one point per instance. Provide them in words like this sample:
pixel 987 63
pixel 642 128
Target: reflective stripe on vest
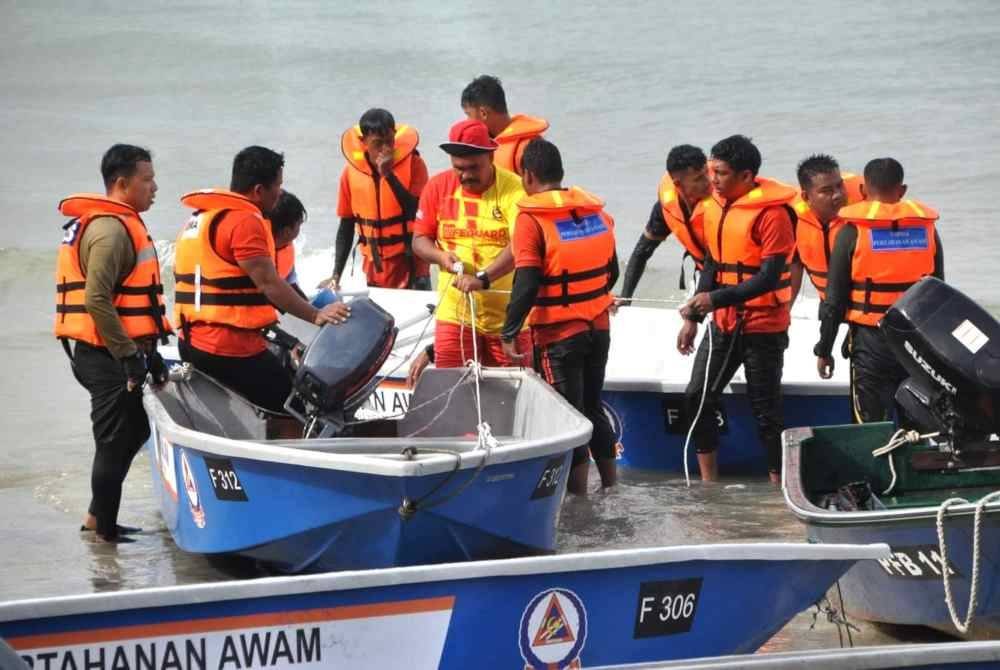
pixel 579 251
pixel 383 230
pixel 138 299
pixel 894 249
pixel 514 138
pixel 728 236
pixel 210 289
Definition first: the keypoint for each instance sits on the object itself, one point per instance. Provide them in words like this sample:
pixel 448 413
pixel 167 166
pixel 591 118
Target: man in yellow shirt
pixel 466 215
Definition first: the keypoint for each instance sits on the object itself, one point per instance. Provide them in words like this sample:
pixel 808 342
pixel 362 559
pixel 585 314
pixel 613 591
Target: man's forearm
pixel 425 248
pixel 829 324
pixel 766 279
pixel 527 281
pixel 279 293
pixel 345 241
pixel 283 296
pixel 502 265
pixel 108 325
pixel 796 272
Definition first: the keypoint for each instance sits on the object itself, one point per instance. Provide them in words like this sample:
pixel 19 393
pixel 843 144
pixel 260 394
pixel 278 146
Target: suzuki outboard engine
pixel 951 348
pixel 339 367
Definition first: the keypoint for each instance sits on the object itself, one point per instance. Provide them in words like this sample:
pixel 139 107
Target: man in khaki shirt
pixel 115 369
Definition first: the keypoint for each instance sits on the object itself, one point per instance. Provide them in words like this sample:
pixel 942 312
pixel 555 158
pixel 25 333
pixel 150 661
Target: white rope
pixel 962 626
pixel 450 392
pixel 658 301
pixel 485 439
pixel 900 438
pixel 701 404
pixel 413 350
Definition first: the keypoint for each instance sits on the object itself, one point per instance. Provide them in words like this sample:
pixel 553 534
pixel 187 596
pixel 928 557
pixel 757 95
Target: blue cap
pixel 323 298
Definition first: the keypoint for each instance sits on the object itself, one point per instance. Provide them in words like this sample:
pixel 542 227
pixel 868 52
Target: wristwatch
pixel 484 278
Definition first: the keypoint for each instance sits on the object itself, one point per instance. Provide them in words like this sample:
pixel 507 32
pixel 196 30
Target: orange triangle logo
pixel 554 628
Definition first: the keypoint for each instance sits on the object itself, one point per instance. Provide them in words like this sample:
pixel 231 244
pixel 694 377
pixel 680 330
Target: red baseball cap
pixel 468 137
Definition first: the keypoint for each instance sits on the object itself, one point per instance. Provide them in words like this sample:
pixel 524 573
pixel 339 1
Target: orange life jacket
pixel 728 236
pixel 284 261
pixel 895 248
pixel 514 138
pixel 579 252
pixel 689 229
pixel 384 230
pixel 814 241
pixel 852 185
pixel 138 299
pixel 210 289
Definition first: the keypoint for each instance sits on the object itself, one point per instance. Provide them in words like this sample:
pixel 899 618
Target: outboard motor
pixel 951 348
pixel 339 367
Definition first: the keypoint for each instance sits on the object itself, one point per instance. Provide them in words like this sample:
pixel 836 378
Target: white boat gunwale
pixel 280 451
pixel 190 594
pixel 858 658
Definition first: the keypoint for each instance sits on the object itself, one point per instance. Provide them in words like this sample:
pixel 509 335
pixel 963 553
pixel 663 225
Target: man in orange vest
pixel 885 245
pixel 747 284
pixel 109 302
pixel 824 190
pixel 676 211
pixel 484 100
pixel 566 265
pixel 287 218
pixel 379 190
pixel 227 284
pixel 464 225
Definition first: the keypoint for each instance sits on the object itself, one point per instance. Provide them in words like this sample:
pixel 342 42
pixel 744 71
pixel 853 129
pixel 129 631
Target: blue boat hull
pixel 908 588
pixel 297 518
pixel 651 429
pixel 504 617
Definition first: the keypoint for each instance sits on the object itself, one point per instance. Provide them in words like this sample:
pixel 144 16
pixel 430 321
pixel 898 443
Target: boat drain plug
pixel 407 509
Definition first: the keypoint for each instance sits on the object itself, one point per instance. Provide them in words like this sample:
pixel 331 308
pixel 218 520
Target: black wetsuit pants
pixel 120 429
pixel 875 375
pixel 574 367
pixel 762 356
pixel 262 378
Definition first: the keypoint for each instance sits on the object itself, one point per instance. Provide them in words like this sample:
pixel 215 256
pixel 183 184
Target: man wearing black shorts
pixel 565 265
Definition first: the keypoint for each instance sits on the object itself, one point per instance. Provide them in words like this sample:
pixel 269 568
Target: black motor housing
pixel 950 346
pixel 342 359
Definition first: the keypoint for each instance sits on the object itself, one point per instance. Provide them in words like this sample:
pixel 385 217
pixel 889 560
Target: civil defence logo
pixel 617 429
pixel 191 489
pixel 553 631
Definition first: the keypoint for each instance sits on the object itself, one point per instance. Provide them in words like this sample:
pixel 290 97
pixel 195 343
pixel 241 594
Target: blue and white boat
pixel 645 382
pixel 423 489
pixel 906 588
pixel 647 376
pixel 644 387
pixel 570 611
pixel 931 490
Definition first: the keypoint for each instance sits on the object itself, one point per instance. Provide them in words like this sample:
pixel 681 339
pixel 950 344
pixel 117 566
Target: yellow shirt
pixel 476 227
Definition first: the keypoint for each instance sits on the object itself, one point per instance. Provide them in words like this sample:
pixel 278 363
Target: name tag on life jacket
pixel 904 239
pixel 588 226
